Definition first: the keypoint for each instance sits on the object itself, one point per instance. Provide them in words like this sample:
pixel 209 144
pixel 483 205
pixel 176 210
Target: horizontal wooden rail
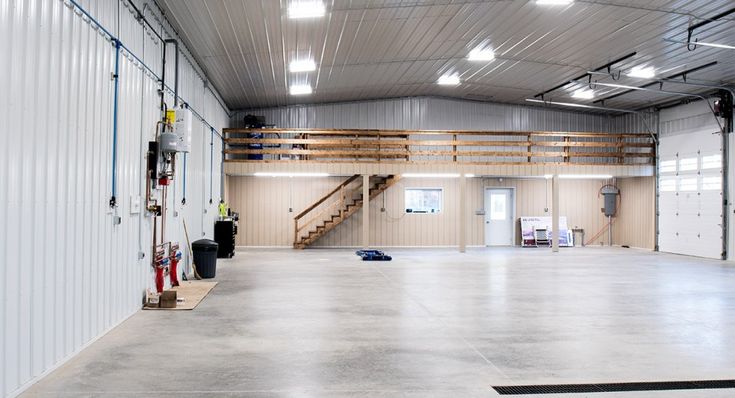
pixel 540 147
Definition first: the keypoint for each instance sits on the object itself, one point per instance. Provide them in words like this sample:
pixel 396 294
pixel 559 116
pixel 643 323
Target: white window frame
pixel 441 199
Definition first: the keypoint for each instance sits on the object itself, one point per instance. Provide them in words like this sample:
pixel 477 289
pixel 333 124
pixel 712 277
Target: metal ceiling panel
pixel 371 49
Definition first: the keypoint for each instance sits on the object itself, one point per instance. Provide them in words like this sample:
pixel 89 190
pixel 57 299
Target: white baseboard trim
pixel 66 359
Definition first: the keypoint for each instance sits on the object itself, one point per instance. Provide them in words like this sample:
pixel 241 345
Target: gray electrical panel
pixel 610 194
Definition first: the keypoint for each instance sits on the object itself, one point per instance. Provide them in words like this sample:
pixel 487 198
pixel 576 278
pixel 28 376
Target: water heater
pixel 183 128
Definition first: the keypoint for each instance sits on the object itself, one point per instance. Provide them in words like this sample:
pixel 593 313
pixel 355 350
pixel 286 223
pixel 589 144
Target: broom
pixel 191 252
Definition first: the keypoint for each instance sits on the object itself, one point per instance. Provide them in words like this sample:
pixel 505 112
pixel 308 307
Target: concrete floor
pixel 431 323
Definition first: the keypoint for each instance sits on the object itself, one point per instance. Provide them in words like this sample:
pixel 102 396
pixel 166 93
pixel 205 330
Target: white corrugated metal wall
pixel 68 274
pixel 427 113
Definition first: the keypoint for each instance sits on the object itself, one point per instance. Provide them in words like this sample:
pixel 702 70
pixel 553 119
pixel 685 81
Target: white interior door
pixel 499 214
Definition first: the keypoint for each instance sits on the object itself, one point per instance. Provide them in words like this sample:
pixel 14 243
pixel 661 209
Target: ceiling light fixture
pixel 554 2
pixel 300 89
pixel 285 174
pixel 430 175
pixel 448 80
pixel 306 65
pixel 583 93
pixel 306 9
pixel 481 54
pixel 642 72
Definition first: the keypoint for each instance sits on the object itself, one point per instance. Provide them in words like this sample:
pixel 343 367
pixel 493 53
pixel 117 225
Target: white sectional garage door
pixel 690 186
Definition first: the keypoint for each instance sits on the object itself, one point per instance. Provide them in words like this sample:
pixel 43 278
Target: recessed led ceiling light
pixel 554 2
pixel 306 9
pixel 449 80
pixel 584 93
pixel 305 65
pixel 481 54
pixel 300 89
pixel 642 72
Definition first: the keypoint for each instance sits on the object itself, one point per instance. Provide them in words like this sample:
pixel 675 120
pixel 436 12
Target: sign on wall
pixel 529 225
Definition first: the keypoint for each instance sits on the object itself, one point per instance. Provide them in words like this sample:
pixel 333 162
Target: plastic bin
pixel 205 257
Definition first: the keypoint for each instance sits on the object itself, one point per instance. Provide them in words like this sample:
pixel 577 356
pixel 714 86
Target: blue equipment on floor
pixel 373 255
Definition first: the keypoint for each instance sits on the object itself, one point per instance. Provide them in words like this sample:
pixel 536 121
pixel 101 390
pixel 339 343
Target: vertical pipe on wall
pixel 183 195
pixel 116 78
pixel 211 161
pixel 725 177
pixel 555 213
pixel 462 213
pixel 366 211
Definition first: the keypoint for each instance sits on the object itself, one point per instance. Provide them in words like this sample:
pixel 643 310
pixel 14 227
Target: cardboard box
pixel 168 299
pixel 152 300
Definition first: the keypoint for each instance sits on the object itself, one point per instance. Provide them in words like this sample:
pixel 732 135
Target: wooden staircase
pixel 335 207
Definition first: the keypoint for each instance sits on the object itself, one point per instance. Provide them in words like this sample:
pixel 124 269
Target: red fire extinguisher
pixel 173 273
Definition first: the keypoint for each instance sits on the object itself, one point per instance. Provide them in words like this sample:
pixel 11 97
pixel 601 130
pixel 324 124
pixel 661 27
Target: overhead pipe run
pixel 682 74
pixel 692 28
pixel 603 67
pixel 661 91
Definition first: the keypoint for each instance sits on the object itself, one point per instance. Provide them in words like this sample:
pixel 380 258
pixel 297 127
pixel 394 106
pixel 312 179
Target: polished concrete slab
pixel 431 323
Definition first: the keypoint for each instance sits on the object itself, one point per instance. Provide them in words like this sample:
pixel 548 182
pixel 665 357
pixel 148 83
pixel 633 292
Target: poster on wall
pixel 530 224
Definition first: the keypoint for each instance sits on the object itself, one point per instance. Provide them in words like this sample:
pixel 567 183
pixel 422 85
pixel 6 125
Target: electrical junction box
pixel 168 142
pixel 134 204
pixel 183 128
pixel 610 194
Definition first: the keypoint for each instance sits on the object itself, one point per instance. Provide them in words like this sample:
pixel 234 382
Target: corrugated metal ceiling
pixel 367 49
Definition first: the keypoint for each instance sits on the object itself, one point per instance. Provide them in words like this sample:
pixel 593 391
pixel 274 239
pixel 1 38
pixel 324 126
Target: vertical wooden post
pixel 454 147
pixel 462 213
pixel 529 147
pixel 366 211
pixel 555 213
pixel 566 149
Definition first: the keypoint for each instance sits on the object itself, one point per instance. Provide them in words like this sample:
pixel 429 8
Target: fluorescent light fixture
pixel 642 72
pixel 286 174
pixel 481 54
pixel 300 89
pixel 548 176
pixel 554 2
pixel 584 93
pixel 469 175
pixel 585 176
pixel 430 175
pixel 305 65
pixel 448 80
pixel 306 9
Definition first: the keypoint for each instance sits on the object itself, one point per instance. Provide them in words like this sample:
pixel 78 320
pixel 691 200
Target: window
pixel 688 184
pixel 667 166
pixel 498 206
pixel 712 162
pixel 423 200
pixel 687 164
pixel 667 185
pixel 712 183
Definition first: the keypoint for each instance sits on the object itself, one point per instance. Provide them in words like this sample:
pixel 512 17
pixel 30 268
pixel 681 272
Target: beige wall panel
pixel 265 221
pixel 635 224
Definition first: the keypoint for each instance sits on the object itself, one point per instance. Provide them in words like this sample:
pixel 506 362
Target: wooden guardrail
pixel 470 147
pixel 339 197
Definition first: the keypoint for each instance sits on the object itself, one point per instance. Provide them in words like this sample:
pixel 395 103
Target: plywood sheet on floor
pixel 193 292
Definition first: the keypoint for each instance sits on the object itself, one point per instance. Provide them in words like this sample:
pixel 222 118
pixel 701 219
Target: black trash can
pixel 205 257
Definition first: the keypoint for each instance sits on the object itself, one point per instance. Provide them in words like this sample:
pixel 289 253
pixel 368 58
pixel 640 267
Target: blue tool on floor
pixel 373 255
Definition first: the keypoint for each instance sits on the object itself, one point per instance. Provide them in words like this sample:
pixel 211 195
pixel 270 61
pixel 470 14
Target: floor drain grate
pixel 614 387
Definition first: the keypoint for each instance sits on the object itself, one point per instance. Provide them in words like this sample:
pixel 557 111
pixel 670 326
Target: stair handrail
pixel 339 188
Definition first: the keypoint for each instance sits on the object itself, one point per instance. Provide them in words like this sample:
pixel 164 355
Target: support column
pixel 555 213
pixel 462 213
pixel 366 211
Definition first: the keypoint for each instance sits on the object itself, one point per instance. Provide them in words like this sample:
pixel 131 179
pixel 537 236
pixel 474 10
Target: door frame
pixel 513 214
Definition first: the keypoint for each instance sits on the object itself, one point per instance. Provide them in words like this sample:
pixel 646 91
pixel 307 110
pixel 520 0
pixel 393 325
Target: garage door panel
pixel 690 209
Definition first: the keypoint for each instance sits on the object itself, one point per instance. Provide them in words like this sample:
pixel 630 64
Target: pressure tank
pixel 183 128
